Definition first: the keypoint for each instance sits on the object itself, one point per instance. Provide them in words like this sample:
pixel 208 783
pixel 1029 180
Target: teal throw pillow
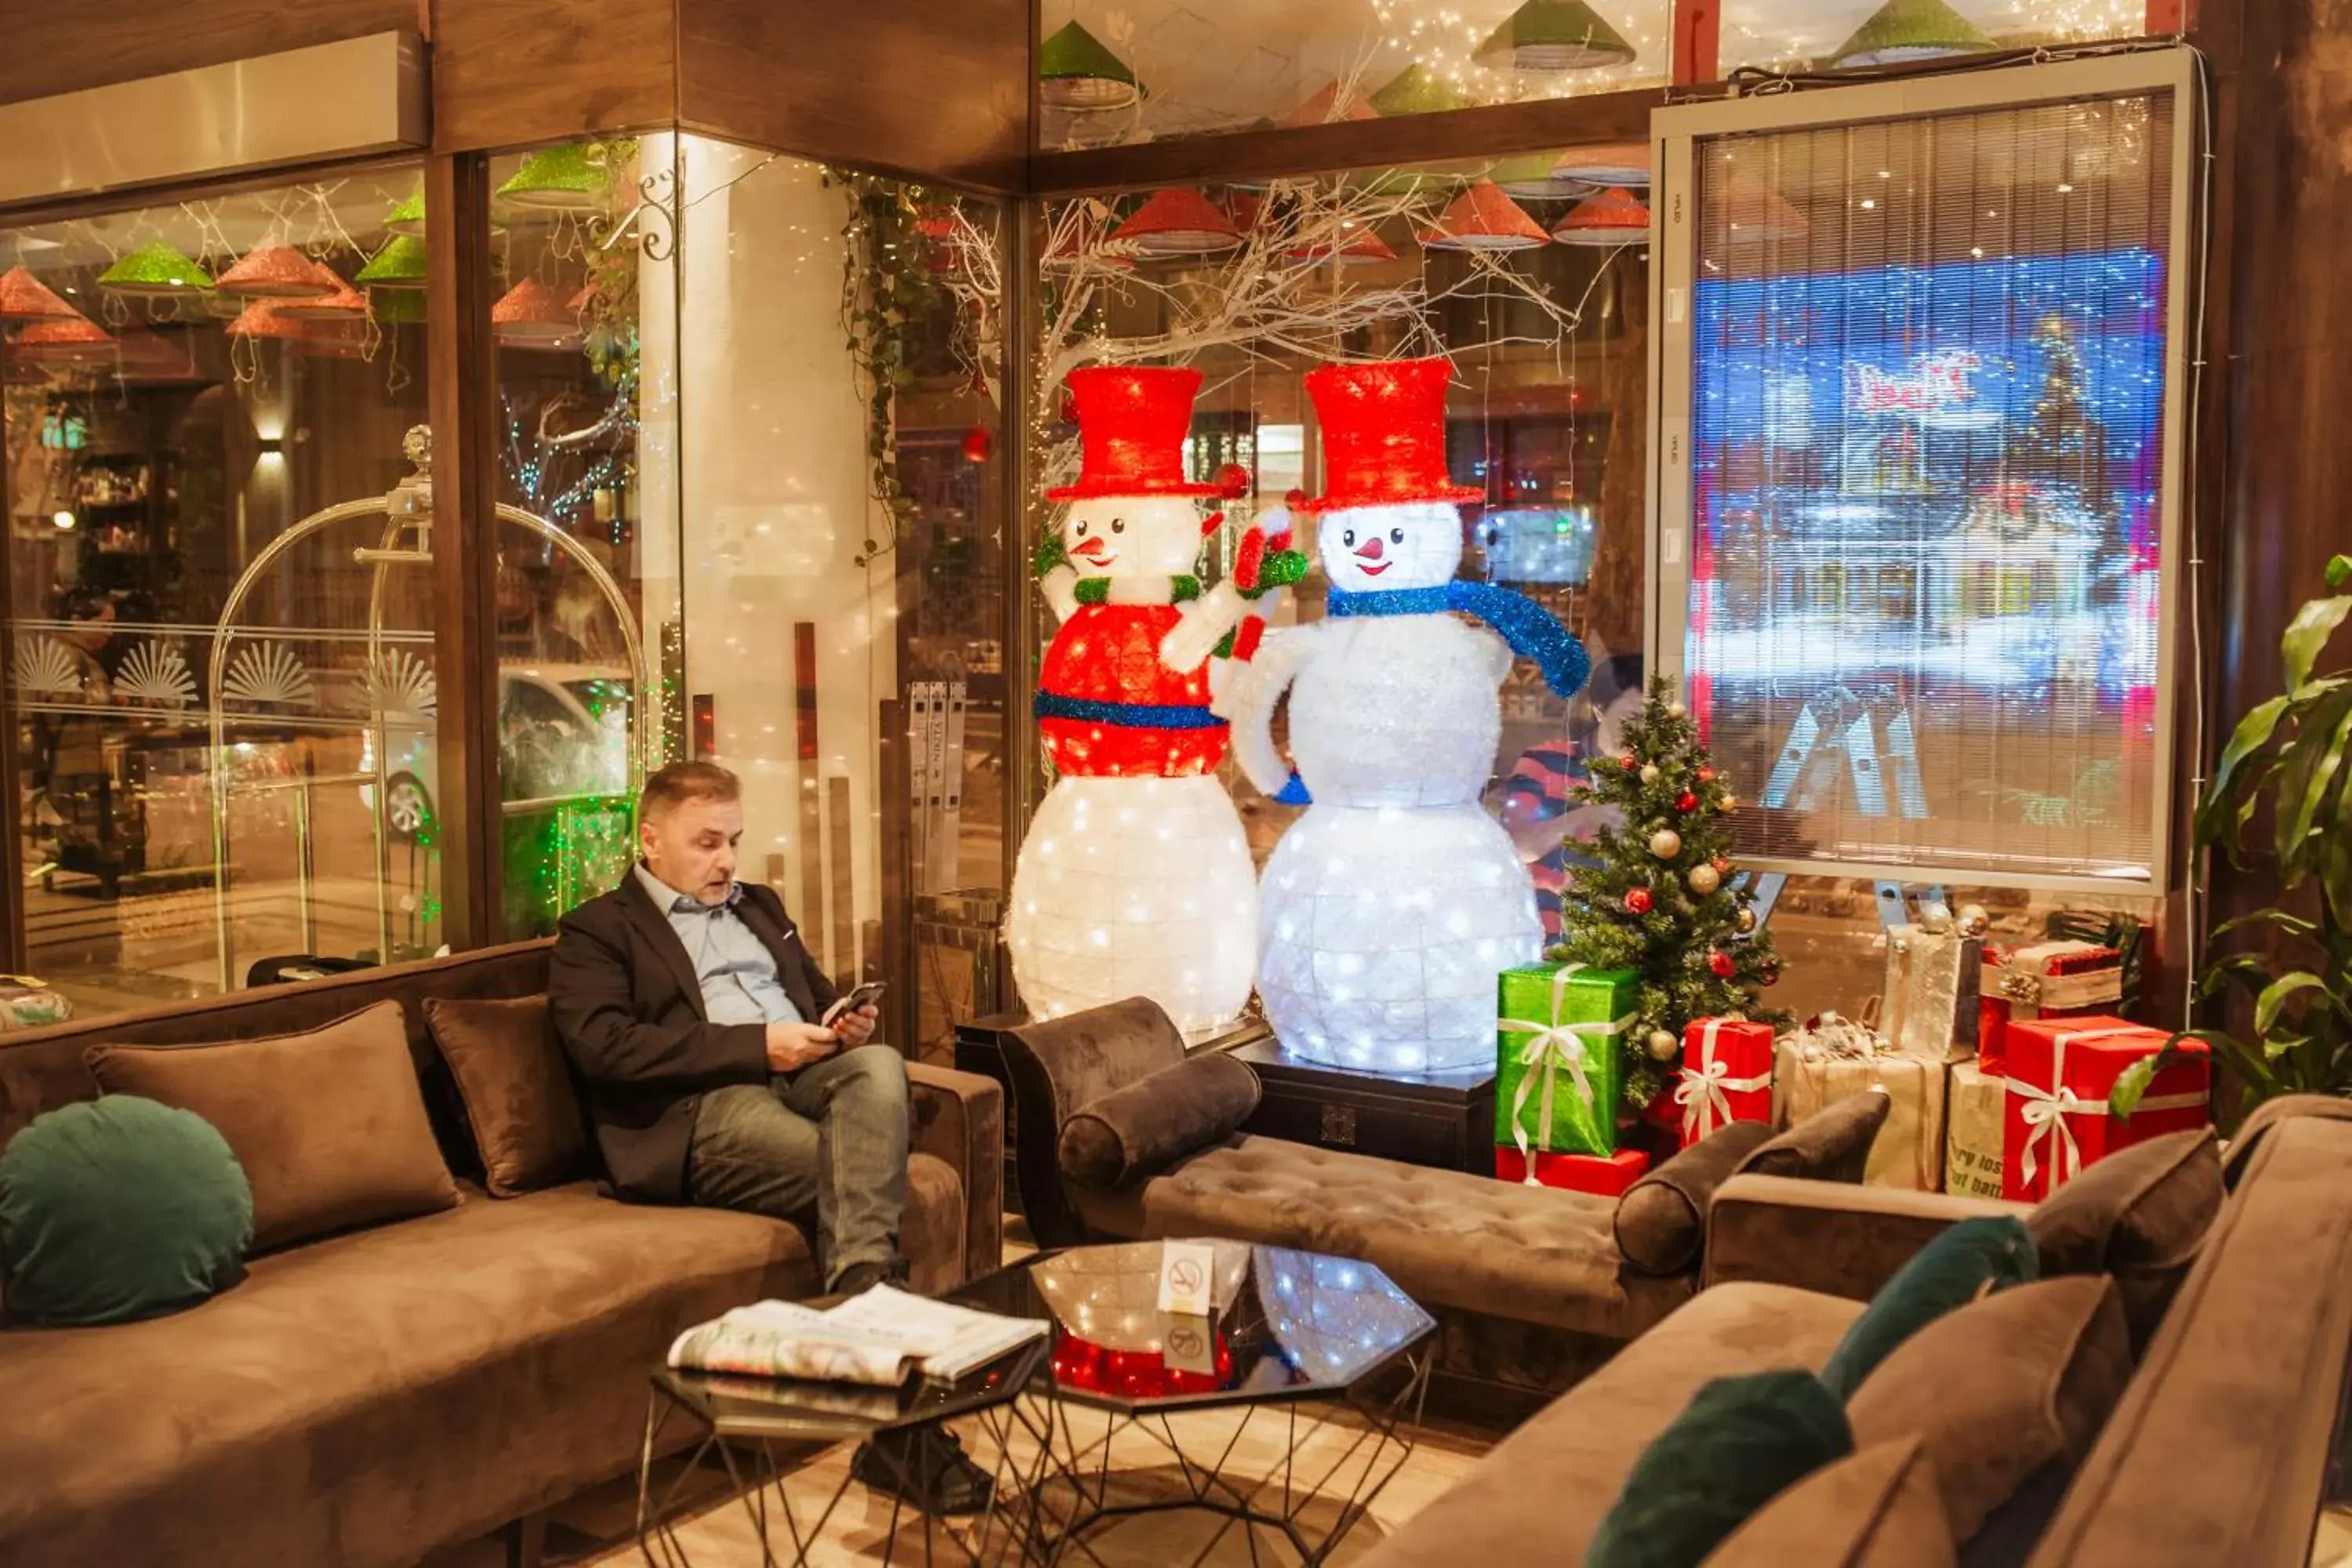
pixel 1738 1443
pixel 119 1208
pixel 1973 1259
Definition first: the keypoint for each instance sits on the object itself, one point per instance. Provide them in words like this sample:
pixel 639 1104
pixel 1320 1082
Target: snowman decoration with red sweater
pixel 1135 877
pixel 1387 909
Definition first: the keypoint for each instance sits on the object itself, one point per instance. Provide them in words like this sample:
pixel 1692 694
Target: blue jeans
pixel 831 1137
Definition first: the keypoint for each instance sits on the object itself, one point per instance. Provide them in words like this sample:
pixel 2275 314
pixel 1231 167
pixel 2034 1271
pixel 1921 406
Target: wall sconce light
pixel 272 446
pixel 64 519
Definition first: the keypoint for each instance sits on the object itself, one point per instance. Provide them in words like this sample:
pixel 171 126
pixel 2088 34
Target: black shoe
pixel 858 1279
pixel 926 1466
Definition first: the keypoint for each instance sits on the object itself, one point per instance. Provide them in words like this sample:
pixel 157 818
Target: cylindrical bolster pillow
pixel 1661 1218
pixel 1155 1121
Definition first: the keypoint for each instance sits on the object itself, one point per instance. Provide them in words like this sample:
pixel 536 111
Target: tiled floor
pixel 715 1531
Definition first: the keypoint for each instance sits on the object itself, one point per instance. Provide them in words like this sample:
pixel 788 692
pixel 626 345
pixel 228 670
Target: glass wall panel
pixel 188 386
pixel 1820 35
pixel 753 400
pixel 1112 72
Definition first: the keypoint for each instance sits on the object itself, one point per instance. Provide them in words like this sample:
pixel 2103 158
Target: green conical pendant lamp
pixel 156 270
pixel 1076 70
pixel 407 217
pixel 572 178
pixel 1416 90
pixel 1534 177
pixel 1554 35
pixel 1903 30
pixel 399 265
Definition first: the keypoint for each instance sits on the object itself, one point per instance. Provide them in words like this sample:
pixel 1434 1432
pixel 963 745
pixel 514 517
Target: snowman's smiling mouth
pixel 1372 568
pixel 1094 552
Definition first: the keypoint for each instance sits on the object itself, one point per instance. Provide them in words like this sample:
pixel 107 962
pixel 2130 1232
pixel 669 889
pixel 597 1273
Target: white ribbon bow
pixel 1550 1047
pixel 1703 1091
pixel 2046 1109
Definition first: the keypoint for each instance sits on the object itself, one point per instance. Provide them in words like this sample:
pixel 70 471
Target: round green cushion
pixel 1972 1258
pixel 119 1208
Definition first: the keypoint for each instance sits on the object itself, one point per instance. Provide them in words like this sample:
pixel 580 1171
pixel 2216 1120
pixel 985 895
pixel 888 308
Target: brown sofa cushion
pixel 516 1085
pixel 1661 1221
pixel 1999 1389
pixel 1877 1508
pixel 328 1124
pixel 1832 1144
pixel 2139 1215
pixel 1148 1126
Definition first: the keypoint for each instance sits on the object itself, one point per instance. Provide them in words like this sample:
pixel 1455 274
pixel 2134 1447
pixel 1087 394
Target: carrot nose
pixel 1371 549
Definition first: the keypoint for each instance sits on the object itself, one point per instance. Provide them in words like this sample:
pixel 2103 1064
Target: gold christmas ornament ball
pixel 1972 919
pixel 1661 1045
pixel 1649 772
pixel 1665 844
pixel 1744 919
pixel 1675 710
pixel 1705 879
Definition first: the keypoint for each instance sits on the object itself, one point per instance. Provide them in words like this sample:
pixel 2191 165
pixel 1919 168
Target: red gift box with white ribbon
pixel 2055 1120
pixel 2045 979
pixel 1604 1175
pixel 1726 1076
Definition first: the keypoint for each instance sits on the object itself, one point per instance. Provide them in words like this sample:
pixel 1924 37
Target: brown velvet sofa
pixel 363 1398
pixel 2218 1453
pixel 1530 1287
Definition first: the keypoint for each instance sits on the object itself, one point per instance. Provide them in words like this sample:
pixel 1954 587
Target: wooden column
pixel 464 402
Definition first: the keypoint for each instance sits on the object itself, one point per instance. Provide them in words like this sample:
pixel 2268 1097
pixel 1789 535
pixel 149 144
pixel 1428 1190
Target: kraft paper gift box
pixel 1604 1175
pixel 2054 1114
pixel 1809 1076
pixel 1973 1098
pixel 1557 1066
pixel 2045 979
pixel 1726 1076
pixel 1930 1007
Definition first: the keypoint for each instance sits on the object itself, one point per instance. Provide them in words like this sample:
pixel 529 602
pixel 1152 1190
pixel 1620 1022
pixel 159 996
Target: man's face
pixel 691 847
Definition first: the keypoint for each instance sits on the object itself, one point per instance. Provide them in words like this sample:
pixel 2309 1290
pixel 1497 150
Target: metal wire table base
pixel 1074 1486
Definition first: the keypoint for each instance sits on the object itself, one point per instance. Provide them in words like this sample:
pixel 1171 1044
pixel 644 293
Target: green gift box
pixel 1558 1069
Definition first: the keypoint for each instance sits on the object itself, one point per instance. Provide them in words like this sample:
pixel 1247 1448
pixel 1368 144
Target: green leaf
pixel 2307 634
pixel 2275 994
pixel 2293 925
pixel 2277 1046
pixel 2253 732
pixel 2308 768
pixel 2339 573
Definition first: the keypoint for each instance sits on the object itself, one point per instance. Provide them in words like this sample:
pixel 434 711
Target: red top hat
pixel 1131 425
pixel 1384 434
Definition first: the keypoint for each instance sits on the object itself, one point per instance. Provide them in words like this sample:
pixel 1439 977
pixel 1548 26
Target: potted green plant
pixel 2288 755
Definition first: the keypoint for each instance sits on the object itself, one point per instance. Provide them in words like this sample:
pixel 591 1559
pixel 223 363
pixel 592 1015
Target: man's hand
pixel 794 1046
pixel 856 1028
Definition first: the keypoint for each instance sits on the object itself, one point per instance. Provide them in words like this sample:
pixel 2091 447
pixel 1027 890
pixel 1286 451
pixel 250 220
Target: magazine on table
pixel 880 1337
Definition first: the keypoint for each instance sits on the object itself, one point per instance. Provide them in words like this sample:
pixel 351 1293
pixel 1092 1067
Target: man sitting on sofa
pixel 723 1068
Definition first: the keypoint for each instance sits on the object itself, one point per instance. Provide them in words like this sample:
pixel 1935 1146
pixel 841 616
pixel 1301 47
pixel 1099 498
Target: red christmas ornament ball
pixel 1706 776
pixel 1722 867
pixel 978 443
pixel 1637 899
pixel 1632 762
pixel 1720 962
pixel 1233 482
pixel 1687 802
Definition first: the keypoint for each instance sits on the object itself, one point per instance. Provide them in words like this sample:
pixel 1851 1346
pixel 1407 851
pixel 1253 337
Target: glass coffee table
pixel 1297 1345
pixel 758 1426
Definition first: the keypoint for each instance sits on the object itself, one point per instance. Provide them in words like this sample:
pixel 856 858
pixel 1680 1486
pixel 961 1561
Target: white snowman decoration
pixel 1388 908
pixel 1135 877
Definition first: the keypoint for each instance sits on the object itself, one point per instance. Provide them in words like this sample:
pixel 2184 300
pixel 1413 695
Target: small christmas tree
pixel 1662 902
pixel 2064 442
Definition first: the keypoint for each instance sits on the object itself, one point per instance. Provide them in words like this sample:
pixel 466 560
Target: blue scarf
pixel 1532 632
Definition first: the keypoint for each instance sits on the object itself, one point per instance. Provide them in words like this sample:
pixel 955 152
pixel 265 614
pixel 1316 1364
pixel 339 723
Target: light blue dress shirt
pixel 737 972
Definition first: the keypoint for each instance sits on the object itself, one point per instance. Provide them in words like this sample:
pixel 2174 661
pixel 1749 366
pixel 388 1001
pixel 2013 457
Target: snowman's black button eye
pixel 1396 536
pixel 1119 525
pixel 1082 530
pixel 1348 537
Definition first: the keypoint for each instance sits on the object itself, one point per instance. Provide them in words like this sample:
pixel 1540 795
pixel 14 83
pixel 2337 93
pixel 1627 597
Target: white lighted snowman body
pixel 1387 909
pixel 1135 877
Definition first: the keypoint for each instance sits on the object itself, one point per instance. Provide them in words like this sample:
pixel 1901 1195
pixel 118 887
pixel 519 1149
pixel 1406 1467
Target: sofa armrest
pixel 1835 1238
pixel 959 1116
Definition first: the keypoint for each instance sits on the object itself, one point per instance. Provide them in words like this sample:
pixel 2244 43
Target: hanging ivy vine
pixel 885 287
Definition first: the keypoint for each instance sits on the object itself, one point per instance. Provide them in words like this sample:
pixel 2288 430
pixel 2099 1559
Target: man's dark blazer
pixel 625 1000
